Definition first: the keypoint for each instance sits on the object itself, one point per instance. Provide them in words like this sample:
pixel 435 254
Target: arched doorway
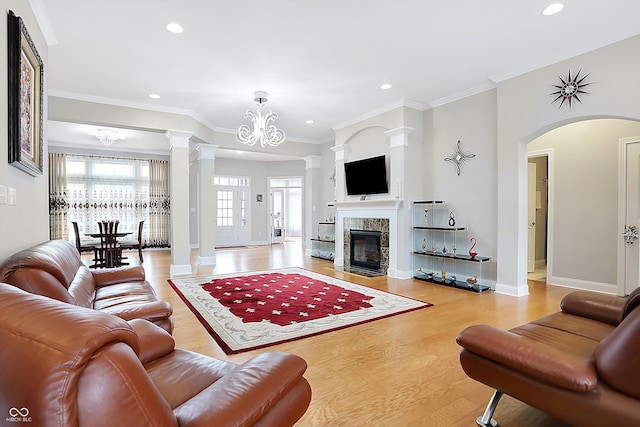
pixel 584 240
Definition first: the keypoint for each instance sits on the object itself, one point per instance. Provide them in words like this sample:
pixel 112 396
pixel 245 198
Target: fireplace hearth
pixel 365 250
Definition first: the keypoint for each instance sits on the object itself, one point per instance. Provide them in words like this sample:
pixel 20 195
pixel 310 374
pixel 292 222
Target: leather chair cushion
pixel 40 282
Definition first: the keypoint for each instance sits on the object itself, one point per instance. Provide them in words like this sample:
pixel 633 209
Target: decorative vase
pixel 424 245
pixel 472 254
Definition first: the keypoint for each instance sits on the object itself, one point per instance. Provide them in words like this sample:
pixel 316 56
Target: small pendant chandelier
pixel 263 128
pixel 107 136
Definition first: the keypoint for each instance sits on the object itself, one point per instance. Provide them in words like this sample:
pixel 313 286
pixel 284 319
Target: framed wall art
pixel 26 72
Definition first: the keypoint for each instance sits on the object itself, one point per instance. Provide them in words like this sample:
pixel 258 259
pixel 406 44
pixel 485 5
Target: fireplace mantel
pixel 374 208
pixel 369 204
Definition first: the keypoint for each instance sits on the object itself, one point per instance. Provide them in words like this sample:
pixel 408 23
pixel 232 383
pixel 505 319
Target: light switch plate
pixel 11 199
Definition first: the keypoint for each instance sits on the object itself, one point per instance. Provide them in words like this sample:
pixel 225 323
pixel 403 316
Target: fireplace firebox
pixel 365 249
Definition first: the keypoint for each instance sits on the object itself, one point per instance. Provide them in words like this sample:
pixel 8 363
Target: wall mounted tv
pixel 367 176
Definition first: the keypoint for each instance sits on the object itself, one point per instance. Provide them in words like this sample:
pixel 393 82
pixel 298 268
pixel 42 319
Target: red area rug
pixel 247 311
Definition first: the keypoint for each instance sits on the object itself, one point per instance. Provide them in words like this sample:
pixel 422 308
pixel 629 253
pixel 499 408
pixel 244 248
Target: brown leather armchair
pixel 580 365
pixel 63 365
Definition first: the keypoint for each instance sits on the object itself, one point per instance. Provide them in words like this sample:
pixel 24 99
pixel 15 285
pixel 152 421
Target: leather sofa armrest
pixel 529 357
pixel 246 394
pixel 154 342
pixel 151 310
pixel 593 305
pixel 134 273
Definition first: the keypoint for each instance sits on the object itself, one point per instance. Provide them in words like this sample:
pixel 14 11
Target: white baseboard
pixel 179 270
pixel 512 290
pixel 585 285
pixel 207 260
pixel 399 274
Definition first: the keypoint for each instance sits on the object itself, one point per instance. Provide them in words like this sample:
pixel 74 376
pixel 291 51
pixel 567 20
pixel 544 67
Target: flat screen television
pixel 367 176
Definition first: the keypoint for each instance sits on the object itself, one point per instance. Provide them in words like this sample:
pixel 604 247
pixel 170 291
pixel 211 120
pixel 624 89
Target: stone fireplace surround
pixel 368 224
pixel 373 215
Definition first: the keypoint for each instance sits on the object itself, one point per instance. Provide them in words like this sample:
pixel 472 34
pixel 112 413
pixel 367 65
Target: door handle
pixel 630 234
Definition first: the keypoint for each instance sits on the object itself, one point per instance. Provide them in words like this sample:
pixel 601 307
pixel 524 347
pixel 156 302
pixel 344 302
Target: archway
pixel 583 239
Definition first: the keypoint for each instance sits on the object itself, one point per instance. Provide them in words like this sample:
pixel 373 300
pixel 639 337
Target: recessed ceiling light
pixel 175 28
pixel 154 96
pixel 309 122
pixel 386 86
pixel 552 9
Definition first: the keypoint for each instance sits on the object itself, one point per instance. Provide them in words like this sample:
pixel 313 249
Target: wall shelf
pixel 437 254
pixel 324 245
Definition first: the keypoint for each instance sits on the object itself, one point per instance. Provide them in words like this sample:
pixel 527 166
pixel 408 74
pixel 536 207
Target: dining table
pixel 108 258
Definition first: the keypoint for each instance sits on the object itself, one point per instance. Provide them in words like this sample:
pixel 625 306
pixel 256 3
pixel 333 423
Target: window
pixel 103 188
pixel 224 208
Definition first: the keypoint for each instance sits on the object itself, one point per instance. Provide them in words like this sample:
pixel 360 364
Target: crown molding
pixel 389 107
pixel 463 94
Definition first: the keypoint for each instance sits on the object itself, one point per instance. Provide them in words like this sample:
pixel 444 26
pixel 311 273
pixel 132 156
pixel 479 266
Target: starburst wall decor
pixel 458 157
pixel 570 89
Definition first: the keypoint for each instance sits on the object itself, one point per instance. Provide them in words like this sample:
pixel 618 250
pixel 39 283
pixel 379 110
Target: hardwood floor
pixel 398 371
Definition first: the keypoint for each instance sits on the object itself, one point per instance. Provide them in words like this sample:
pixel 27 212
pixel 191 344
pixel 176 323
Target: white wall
pixel 258 172
pixel 27 222
pixel 472 194
pixel 524 112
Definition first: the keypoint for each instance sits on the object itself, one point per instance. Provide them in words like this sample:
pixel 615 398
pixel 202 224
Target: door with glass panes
pixel 232 211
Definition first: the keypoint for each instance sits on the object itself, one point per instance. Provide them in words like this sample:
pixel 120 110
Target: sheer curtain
pixel 58 200
pixel 103 188
pixel 159 204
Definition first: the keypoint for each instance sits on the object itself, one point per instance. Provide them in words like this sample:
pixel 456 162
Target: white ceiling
pixel 322 60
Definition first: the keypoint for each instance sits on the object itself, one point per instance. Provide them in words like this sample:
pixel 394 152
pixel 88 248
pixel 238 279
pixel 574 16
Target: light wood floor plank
pixel 398 371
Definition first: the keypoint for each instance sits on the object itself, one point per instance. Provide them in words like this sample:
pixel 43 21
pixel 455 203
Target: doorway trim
pixel 622 208
pixel 549 154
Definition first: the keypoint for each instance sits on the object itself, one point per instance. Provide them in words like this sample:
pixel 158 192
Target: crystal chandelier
pixel 107 136
pixel 263 128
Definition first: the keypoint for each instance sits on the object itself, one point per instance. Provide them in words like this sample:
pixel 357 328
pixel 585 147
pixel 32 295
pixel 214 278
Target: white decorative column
pixel 206 204
pixel 341 154
pixel 312 187
pixel 401 184
pixel 179 167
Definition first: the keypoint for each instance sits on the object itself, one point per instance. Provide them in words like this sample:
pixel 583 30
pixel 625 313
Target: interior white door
pixel 232 226
pixel 632 217
pixel 531 218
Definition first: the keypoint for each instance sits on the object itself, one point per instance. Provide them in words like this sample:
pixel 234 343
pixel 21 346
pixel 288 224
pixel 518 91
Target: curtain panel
pixel 159 204
pixel 58 199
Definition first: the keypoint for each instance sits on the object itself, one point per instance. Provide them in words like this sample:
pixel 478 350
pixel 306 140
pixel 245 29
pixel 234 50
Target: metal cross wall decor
pixel 458 157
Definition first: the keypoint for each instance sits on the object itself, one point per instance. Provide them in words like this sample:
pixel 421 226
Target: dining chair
pixel 83 246
pixel 134 244
pixel 108 254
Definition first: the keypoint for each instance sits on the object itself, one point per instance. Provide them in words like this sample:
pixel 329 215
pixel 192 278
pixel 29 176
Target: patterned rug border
pixel 288 270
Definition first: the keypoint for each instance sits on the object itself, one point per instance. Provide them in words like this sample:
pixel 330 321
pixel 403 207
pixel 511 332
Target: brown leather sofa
pixel 63 365
pixel 55 269
pixel 580 365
